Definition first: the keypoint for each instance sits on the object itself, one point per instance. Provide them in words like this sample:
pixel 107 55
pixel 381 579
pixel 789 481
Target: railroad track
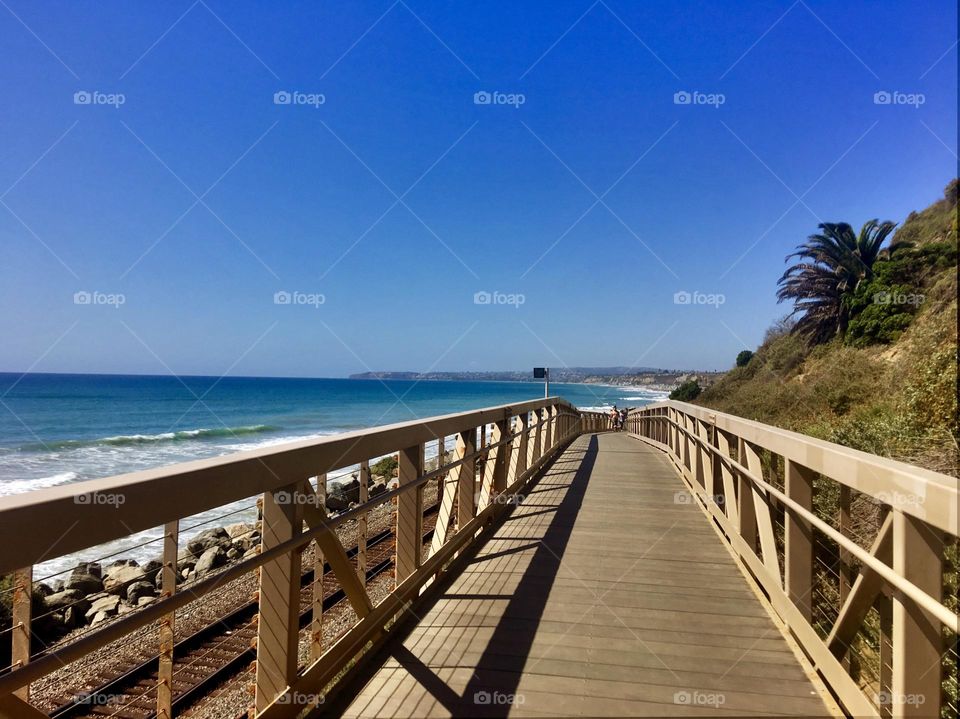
pixel 218 651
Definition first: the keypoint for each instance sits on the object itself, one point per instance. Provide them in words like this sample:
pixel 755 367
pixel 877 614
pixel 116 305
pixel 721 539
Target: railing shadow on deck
pixel 496 452
pixel 498 670
pixel 852 550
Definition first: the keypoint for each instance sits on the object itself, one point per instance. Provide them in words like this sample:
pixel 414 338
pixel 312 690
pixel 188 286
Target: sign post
pixel 544 374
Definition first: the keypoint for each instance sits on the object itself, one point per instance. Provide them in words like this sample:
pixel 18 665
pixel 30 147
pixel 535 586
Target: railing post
pixel 278 627
pixel 917 642
pixel 409 530
pixel 722 439
pixel 798 539
pixel 548 429
pixel 22 594
pixel 499 463
pixel 362 523
pixel 745 509
pixel 316 621
pixel 535 452
pixel 168 579
pixel 466 475
pixel 518 458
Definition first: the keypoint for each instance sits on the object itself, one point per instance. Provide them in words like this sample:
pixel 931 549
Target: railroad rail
pixel 483 473
pixel 217 651
pixel 772 497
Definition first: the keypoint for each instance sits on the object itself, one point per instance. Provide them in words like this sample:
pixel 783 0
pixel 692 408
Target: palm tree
pixel 831 266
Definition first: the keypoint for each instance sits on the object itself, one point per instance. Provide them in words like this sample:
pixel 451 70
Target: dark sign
pixel 539 372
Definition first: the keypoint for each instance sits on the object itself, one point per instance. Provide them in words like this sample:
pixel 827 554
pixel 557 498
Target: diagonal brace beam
pixel 865 590
pixel 315 515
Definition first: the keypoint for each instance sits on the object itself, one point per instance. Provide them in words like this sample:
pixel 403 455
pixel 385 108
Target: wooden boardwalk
pixel 603 593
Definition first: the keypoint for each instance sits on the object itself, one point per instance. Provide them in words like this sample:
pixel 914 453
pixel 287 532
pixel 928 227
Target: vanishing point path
pixel 605 592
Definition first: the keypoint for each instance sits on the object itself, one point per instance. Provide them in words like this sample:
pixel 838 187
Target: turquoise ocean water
pixel 60 429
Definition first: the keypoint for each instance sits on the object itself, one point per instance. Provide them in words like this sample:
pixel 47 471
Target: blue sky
pixel 398 198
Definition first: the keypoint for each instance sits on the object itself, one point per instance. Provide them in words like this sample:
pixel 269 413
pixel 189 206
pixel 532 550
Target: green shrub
pixel 386 467
pixel 687 391
pixel 743 359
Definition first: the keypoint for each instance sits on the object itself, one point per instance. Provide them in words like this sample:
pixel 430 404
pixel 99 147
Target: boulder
pixel 122 563
pixel 73 616
pixel 239 530
pixel 43 590
pixel 210 559
pixel 119 578
pixel 88 568
pixel 215 537
pixel 99 617
pixel 146 601
pixel 139 589
pixel 67 599
pixel 106 606
pixel 378 488
pixel 233 553
pixel 85 583
pixel 351 491
pixel 337 503
pixel 149 568
pixel 57 586
pixel 125 608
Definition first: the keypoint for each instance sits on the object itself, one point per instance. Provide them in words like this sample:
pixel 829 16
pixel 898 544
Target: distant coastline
pixel 658 380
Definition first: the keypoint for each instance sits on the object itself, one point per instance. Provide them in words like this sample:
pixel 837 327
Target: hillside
pixel 887 383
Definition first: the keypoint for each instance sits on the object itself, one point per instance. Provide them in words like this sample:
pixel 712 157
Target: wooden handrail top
pixel 922 493
pixel 45 523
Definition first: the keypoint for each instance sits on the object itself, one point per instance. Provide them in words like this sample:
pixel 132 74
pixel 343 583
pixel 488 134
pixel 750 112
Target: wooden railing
pixel 852 550
pixel 474 486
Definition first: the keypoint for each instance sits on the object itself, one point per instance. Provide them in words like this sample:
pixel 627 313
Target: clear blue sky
pixel 399 198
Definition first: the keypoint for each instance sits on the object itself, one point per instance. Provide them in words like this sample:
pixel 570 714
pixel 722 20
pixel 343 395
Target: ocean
pixel 58 429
